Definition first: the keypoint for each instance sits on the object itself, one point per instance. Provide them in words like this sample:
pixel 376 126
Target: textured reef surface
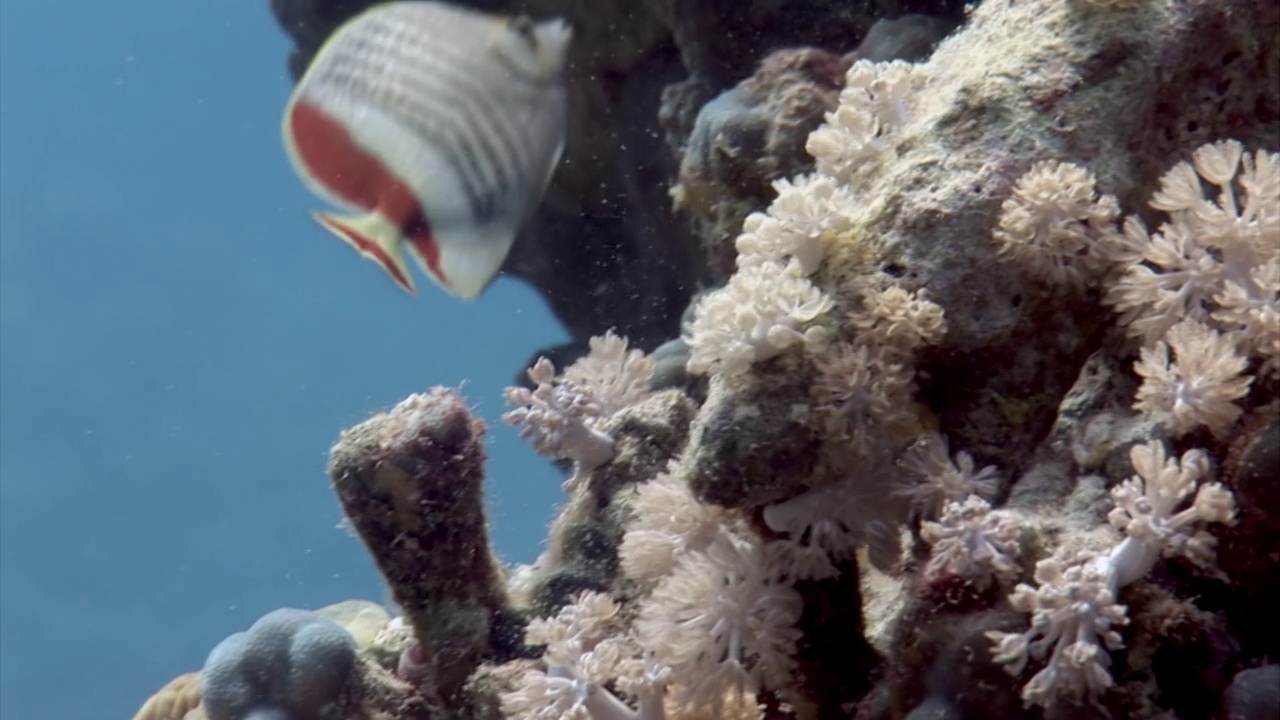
pixel 943 382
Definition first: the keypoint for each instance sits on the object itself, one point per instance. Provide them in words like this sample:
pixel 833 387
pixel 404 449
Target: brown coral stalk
pixel 410 482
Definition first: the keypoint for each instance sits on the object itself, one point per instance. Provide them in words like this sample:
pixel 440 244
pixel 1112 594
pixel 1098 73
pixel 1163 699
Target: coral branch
pixel 410 482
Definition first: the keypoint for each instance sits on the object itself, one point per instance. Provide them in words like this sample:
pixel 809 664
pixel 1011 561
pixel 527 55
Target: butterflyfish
pixel 436 128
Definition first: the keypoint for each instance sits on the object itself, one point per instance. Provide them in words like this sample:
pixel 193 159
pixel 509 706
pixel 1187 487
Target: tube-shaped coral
pixel 410 482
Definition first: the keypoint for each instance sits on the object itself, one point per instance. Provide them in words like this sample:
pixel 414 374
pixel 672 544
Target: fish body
pixel 437 129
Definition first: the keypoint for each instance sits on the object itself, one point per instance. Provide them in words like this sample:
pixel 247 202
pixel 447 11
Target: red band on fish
pixel 331 157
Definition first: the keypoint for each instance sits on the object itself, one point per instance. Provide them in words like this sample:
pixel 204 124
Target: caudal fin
pixel 375 239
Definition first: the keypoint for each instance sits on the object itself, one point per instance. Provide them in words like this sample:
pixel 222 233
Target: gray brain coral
pixel 290 665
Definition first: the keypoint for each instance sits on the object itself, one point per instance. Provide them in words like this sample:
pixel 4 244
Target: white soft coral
pixel 667 522
pixel 1056 222
pixel 1217 258
pixel 584 654
pixel 1198 386
pixel 862 132
pixel 820 527
pixel 807 212
pixel 722 623
pixel 1074 613
pixel 1074 609
pixel 764 309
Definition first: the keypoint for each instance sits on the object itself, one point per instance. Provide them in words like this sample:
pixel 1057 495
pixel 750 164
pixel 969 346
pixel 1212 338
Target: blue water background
pixel 179 347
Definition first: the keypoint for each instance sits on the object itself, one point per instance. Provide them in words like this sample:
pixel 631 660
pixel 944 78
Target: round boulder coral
pixel 290 665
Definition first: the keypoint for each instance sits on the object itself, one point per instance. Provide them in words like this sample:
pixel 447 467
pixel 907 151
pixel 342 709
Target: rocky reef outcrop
pixel 979 414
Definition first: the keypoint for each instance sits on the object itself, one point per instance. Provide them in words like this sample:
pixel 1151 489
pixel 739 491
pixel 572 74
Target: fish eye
pixel 524 27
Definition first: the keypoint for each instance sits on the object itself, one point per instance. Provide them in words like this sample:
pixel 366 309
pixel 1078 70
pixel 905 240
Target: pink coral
pixel 1073 612
pixel 613 374
pixel 1147 511
pixel 563 417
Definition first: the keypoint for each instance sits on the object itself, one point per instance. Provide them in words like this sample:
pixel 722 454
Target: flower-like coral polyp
pixel 1074 609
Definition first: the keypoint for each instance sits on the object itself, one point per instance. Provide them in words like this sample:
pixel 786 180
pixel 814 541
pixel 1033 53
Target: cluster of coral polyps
pixel 962 435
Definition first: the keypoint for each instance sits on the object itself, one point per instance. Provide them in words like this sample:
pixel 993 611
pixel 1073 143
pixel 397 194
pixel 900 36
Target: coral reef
pixel 981 418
